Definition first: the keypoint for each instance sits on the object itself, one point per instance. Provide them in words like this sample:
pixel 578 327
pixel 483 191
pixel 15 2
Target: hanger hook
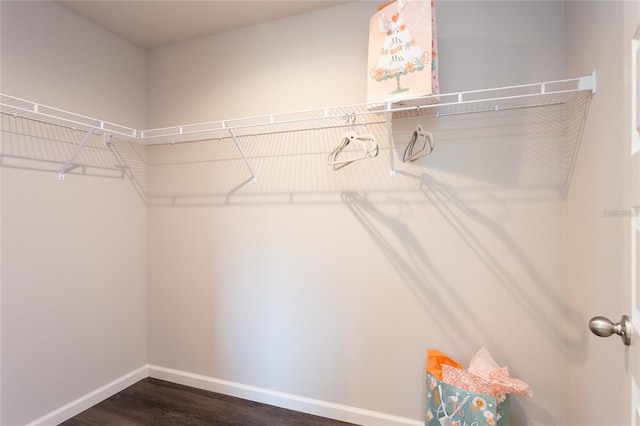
pixel 350 119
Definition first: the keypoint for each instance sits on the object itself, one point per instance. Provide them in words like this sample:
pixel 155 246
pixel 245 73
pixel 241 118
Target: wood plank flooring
pixel 159 403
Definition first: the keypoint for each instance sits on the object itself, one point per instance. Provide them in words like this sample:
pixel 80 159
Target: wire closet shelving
pixel 549 93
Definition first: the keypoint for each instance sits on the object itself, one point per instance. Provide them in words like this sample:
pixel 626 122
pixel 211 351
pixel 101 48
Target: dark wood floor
pixel 158 403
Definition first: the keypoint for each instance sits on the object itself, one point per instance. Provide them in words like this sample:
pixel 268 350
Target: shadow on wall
pixel 414 266
pixel 36 146
pixel 469 309
pixel 502 160
pixel 435 291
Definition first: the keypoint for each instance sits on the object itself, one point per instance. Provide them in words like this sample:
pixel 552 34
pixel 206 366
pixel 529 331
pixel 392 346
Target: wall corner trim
pixel 94 397
pixel 281 399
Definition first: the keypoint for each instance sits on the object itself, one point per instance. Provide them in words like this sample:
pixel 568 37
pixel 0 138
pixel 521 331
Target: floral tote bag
pixel 403 48
pixel 449 405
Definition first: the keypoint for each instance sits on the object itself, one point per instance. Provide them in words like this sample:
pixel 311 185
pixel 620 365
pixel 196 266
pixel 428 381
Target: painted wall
pixel 95 74
pixel 322 284
pixel 319 59
pixel 74 298
pixel 329 284
pixel 595 241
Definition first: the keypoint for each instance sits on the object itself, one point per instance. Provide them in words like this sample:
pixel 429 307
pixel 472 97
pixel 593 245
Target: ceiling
pixel 150 24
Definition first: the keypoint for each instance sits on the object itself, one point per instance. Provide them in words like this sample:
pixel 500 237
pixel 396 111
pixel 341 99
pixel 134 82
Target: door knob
pixel 604 327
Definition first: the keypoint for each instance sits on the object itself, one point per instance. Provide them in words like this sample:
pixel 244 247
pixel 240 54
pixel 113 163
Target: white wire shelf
pixel 495 99
pixel 549 93
pixel 467 102
pixel 259 125
pixel 17 107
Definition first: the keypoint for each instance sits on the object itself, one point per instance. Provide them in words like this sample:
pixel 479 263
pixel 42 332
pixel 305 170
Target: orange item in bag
pixel 435 360
pixel 383 5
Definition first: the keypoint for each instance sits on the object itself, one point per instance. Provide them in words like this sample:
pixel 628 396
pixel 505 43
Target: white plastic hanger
pixel 365 146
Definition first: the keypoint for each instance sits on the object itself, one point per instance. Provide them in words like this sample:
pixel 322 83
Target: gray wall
pixel 74 274
pixel 322 284
pixel 332 285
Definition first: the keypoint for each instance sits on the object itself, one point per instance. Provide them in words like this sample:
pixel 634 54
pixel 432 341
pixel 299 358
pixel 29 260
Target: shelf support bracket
pixel 387 116
pixel 588 82
pixel 75 153
pixel 244 157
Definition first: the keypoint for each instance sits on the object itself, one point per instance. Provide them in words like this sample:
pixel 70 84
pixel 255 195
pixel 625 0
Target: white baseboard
pixel 281 399
pixel 92 398
pixel 252 393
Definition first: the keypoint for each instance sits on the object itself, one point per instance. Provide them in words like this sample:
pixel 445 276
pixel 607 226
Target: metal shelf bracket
pixel 75 153
pixel 387 116
pixel 588 82
pixel 244 157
